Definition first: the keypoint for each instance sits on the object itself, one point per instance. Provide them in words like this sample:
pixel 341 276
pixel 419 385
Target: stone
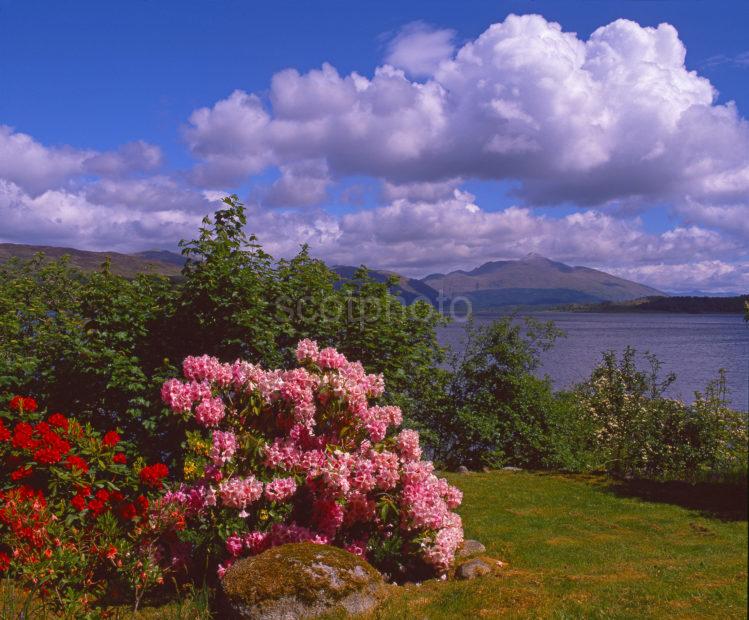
pixel 469 548
pixel 472 569
pixel 512 469
pixel 463 469
pixel 300 580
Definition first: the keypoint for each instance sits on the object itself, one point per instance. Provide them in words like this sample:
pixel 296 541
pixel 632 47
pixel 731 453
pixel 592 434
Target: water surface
pixel 694 346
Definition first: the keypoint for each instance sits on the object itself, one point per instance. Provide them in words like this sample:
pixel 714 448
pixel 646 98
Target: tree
pixel 224 306
pixel 500 410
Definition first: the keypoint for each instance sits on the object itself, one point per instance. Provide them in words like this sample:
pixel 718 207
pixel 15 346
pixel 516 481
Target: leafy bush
pixel 84 342
pixel 74 509
pixel 118 340
pixel 494 411
pixel 301 455
pixel 640 432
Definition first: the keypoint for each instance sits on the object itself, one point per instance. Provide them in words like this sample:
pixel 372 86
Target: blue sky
pixel 79 80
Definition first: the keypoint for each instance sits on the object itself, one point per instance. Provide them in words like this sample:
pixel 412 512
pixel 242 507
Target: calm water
pixel 692 346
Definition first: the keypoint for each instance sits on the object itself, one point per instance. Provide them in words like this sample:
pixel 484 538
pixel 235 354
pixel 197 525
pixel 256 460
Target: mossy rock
pixel 300 580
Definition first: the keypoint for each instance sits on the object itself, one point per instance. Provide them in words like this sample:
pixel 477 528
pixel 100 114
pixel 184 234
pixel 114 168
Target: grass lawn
pixel 583 547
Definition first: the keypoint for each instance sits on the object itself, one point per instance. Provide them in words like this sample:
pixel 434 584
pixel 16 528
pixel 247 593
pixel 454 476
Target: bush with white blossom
pixel 281 456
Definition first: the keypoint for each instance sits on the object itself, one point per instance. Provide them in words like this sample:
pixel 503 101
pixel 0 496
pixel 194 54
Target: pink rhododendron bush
pixel 305 455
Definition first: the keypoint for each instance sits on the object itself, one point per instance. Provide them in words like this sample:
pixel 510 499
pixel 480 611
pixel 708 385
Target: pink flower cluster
pixel 210 411
pixel 180 397
pixel 206 368
pixel 408 445
pixel 240 492
pixel 280 489
pixel 194 499
pixel 224 447
pixel 319 448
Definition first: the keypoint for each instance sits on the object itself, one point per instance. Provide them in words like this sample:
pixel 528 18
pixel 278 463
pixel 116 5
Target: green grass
pixel 584 547
pixel 17 605
pixel 581 547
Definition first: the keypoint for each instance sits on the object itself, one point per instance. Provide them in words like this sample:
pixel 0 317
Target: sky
pixel 414 136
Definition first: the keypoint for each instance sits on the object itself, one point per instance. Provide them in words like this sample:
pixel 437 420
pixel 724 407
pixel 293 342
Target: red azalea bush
pixel 303 455
pixel 74 516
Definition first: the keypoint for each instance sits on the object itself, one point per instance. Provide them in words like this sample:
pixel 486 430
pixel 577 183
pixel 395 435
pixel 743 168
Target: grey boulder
pixel 472 569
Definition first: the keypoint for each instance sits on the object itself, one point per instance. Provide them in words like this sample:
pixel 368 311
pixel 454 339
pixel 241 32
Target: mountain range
pixel 127 265
pixel 531 281
pixel 535 280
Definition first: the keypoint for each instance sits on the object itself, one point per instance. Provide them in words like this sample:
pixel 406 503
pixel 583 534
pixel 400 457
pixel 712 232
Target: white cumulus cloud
pixel 419 49
pixel 616 116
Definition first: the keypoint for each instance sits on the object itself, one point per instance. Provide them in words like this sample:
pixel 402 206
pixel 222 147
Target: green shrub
pixel 493 410
pixel 640 432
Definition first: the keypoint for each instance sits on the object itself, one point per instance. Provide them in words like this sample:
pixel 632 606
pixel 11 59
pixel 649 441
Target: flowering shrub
pixel 74 515
pixel 639 431
pixel 302 455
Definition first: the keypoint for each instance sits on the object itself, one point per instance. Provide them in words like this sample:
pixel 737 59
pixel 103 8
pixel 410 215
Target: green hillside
pixel 676 304
pixel 127 265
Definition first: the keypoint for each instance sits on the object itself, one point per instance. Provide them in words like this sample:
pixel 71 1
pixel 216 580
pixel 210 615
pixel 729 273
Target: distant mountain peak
pixel 535 280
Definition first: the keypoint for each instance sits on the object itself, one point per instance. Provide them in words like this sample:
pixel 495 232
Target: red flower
pixel 76 462
pixel 78 502
pixel 52 449
pixel 4 561
pixel 4 432
pixel 21 473
pixel 102 495
pixel 128 512
pixel 28 494
pixel 111 439
pixel 47 456
pixel 111 552
pixel 97 506
pixel 23 437
pixel 152 475
pixel 142 502
pixel 120 458
pixel 58 420
pixel 22 403
pixel 42 429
